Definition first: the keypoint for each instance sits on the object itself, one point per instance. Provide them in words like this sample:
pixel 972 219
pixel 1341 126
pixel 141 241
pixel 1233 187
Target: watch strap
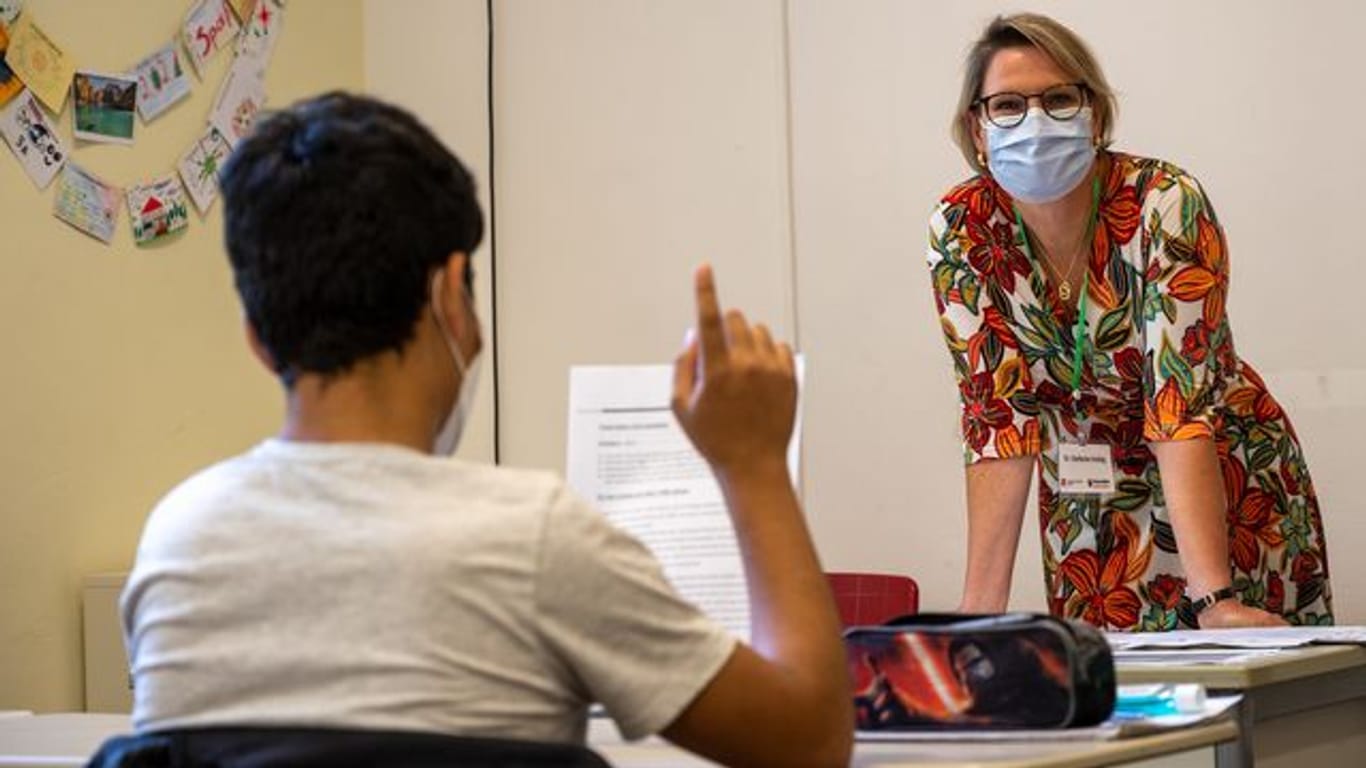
pixel 1201 605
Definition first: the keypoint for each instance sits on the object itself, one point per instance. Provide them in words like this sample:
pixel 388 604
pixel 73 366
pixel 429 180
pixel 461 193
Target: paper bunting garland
pixel 35 72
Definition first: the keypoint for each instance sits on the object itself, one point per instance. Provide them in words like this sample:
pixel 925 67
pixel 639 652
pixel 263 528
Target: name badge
pixel 1085 469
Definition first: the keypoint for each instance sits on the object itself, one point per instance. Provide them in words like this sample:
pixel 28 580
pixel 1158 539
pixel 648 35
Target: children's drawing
pixel 208 28
pixel 200 165
pixel 157 209
pixel 31 137
pixel 86 202
pixel 162 81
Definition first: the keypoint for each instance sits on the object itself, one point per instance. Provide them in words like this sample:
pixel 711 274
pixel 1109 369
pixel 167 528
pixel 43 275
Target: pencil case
pixel 1013 670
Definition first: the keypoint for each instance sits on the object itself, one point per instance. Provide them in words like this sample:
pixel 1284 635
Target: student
pixel 347 574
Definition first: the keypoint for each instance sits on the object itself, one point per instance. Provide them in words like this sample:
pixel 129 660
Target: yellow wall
pixel 124 368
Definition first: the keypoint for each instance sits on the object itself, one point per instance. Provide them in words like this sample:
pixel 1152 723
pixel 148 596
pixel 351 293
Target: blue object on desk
pixel 1155 700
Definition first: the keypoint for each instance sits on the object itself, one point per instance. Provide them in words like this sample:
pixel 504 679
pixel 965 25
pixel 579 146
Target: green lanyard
pixel 1079 334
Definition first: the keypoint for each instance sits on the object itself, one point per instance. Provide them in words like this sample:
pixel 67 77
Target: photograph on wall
pixel 162 81
pixel 10 84
pixel 209 28
pixel 9 10
pixel 157 209
pixel 40 63
pixel 260 32
pixel 32 140
pixel 86 202
pixel 240 97
pixel 199 167
pixel 104 107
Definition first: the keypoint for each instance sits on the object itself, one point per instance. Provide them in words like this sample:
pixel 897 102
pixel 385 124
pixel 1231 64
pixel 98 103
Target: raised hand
pixel 735 389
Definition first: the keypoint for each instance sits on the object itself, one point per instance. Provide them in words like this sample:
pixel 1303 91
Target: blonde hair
pixel 1059 43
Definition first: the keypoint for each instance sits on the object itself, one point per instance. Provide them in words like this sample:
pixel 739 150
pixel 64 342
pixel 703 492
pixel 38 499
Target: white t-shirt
pixel 372 586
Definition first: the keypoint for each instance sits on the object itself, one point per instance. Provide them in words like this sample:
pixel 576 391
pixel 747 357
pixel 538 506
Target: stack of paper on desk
pixel 1267 638
pixel 1215 708
pixel 1163 657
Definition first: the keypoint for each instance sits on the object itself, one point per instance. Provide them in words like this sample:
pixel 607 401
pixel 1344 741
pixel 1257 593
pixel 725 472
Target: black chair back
pixel 296 747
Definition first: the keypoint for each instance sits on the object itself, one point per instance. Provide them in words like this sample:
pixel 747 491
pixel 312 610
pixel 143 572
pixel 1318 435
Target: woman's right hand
pixel 1231 614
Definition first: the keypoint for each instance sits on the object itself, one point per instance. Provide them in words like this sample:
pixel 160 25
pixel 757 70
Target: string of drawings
pixel 38 78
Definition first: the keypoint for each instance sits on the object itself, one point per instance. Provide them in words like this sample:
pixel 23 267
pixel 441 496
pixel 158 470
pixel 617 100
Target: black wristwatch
pixel 1224 593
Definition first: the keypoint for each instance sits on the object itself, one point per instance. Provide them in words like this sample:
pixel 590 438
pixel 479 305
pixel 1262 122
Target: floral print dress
pixel 1159 364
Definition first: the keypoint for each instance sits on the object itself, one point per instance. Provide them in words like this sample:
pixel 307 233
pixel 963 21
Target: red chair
pixel 872 598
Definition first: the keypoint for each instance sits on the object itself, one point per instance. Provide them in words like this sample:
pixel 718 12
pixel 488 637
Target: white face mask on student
pixel 448 437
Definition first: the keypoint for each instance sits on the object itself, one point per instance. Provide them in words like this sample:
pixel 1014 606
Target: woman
pixel 1082 293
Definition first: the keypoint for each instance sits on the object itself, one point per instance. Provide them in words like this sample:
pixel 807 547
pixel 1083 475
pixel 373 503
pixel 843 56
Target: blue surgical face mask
pixel 1042 158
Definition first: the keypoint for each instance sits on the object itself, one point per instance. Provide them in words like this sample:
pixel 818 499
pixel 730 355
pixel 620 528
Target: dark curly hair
pixel 337 211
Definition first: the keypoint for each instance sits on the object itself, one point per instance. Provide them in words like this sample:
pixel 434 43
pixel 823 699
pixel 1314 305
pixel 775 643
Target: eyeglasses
pixel 1007 109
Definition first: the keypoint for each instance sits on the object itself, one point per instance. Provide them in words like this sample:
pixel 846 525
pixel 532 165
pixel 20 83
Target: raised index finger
pixel 711 334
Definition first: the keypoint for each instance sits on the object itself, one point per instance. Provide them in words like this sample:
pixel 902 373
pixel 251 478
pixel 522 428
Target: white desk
pixel 43 741
pixel 1304 708
pixel 1188 747
pixel 46 741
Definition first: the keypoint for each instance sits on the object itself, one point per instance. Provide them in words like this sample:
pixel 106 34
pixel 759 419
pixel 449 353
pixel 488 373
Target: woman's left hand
pixel 1230 614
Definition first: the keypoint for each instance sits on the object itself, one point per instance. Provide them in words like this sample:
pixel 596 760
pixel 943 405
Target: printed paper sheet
pixel 628 457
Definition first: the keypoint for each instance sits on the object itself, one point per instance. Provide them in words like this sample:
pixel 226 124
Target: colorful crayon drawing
pixel 241 96
pixel 86 202
pixel 31 137
pixel 157 209
pixel 162 81
pixel 199 168
pixel 208 28
pixel 260 31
